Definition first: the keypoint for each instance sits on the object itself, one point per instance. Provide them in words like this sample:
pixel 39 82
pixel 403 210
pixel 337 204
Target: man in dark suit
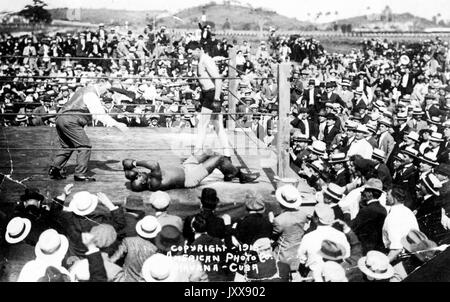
pixel 402 128
pixel 159 107
pixel 311 96
pixel 407 174
pixel 331 130
pixel 256 224
pixel 332 97
pixel 341 175
pixel 368 224
pixel 215 225
pixel 256 127
pixel 407 82
pixel 429 212
pixel 306 125
pixel 432 107
pixel 383 173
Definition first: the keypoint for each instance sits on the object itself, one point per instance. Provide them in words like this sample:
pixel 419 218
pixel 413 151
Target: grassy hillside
pixel 109 16
pixel 240 17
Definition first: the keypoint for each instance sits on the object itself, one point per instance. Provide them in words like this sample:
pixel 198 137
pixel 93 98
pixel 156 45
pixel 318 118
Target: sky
pixel 299 9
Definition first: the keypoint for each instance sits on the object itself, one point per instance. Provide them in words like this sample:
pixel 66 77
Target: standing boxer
pixel 70 129
pixel 211 85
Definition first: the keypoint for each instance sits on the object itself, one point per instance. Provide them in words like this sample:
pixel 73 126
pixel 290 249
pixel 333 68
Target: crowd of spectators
pixel 370 132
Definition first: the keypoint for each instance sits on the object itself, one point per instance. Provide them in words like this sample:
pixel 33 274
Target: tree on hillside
pixel 36 12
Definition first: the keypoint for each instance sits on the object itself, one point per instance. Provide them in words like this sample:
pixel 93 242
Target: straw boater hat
pixel 436 137
pixel 148 227
pixel 410 151
pixel 289 197
pixel 159 268
pixel 429 159
pixel 337 158
pixel 318 147
pixel 372 127
pixel 418 111
pixel 83 203
pixel 333 272
pixel 436 120
pixel 376 265
pixel 379 154
pixel 386 121
pixel 402 116
pixel 17 230
pixel 51 246
pixel 414 136
pixel 362 129
pixel 160 200
pixel 324 213
pixel 334 191
pixel 432 183
pixel 316 166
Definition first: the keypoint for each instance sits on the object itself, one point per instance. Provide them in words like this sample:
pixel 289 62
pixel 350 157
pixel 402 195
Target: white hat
pixel 432 183
pixel 160 200
pixel 333 272
pixel 318 147
pixel 148 227
pixel 414 136
pixel 83 203
pixel 17 230
pixel 376 265
pixel 436 137
pixel 379 154
pixel 335 191
pixel 288 196
pixel 51 245
pixel 362 128
pixel 158 268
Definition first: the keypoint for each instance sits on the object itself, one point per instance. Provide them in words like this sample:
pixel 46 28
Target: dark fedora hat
pixel 32 193
pixel 134 203
pixel 333 251
pixel 209 198
pixel 168 236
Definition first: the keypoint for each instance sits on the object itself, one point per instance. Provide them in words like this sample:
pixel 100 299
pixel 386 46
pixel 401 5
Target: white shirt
pixel 312 242
pixel 305 122
pixel 311 97
pixel 381 138
pixel 405 80
pixel 95 107
pixel 350 203
pixel 361 147
pixel 423 146
pixel 207 68
pixel 399 221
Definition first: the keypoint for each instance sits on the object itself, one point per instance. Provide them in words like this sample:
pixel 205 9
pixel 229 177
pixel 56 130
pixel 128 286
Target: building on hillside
pixel 12 18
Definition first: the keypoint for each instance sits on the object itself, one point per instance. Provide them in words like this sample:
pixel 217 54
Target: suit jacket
pixel 387 144
pixel 342 179
pixel 334 98
pixel 306 98
pixel 432 111
pixel 328 135
pixel 399 134
pixel 313 127
pixel 253 227
pixel 408 180
pixel 385 176
pixel 409 85
pixel 368 226
pixel 429 219
pixel 420 125
pixel 214 226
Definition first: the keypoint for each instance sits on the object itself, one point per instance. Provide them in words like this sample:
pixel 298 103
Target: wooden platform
pixel 31 150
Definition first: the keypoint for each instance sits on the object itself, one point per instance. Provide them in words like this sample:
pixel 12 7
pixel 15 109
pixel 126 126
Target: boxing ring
pixel 26 153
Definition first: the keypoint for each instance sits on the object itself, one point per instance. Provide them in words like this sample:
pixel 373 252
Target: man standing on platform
pixel 76 114
pixel 211 84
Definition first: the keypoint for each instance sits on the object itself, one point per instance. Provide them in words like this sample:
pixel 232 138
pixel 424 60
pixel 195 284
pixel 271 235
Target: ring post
pixel 284 92
pixel 233 87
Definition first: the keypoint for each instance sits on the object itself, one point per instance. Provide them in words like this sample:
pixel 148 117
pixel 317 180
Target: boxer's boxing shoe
pixel 247 177
pixel 83 178
pixel 55 173
pixel 228 170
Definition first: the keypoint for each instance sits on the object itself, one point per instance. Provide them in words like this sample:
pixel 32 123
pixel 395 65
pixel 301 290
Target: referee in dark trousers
pixel 77 113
